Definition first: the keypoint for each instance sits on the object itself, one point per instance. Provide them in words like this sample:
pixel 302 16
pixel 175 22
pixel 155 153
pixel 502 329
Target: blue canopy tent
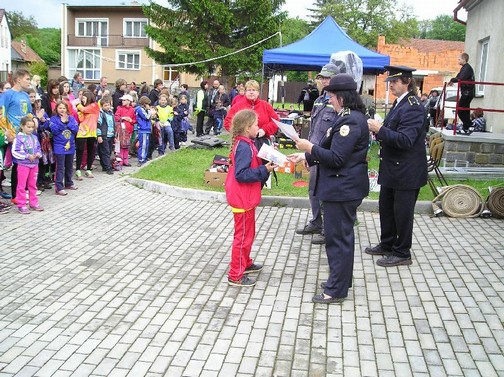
pixel 314 51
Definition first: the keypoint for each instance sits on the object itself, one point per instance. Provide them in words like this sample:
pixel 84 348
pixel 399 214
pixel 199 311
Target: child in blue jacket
pixel 64 128
pixel 144 113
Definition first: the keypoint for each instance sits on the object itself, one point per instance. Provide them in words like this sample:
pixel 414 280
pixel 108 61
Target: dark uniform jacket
pixel 403 161
pixel 341 158
pixel 323 117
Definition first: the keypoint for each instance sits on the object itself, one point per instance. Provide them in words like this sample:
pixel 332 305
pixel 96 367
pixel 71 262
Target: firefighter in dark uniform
pixel 323 116
pixel 308 96
pixel 403 168
pixel 342 182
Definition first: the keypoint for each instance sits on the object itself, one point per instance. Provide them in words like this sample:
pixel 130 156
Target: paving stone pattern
pixel 113 280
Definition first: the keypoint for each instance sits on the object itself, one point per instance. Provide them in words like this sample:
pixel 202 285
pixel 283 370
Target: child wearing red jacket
pixel 125 119
pixel 243 192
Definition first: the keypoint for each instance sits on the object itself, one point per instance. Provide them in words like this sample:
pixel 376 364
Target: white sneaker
pixel 182 143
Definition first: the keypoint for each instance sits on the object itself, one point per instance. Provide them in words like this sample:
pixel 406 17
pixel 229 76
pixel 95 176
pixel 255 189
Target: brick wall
pixel 425 55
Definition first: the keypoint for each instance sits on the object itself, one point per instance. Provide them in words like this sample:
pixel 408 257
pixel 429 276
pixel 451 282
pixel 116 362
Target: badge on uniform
pixel 344 130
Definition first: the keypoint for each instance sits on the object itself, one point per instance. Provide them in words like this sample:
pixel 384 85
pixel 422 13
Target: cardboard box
pixel 300 171
pixel 215 179
pixel 287 168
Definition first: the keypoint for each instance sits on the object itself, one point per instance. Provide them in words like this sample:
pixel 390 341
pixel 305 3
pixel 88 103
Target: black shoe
pixel 110 172
pixel 245 281
pixel 320 299
pixel 393 260
pixel 309 229
pixel 377 250
pixel 253 268
pixel 318 239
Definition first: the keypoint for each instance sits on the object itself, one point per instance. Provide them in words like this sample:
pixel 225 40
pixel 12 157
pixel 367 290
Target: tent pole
pixel 262 82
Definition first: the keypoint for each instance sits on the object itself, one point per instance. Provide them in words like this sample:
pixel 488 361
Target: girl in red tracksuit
pixel 243 192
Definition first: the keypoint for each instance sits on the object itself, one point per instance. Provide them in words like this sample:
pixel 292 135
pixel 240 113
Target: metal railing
pixel 109 40
pixel 440 110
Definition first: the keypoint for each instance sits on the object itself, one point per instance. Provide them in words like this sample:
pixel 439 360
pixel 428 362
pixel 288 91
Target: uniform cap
pixel 340 82
pixel 329 70
pixel 398 71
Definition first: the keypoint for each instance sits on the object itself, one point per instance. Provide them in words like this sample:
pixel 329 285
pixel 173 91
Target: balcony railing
pixel 110 40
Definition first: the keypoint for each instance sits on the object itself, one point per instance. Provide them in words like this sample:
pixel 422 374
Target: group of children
pixel 45 147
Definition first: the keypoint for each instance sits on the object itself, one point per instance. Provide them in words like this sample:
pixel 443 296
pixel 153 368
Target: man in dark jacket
pixel 403 168
pixel 323 117
pixel 466 73
pixel 308 96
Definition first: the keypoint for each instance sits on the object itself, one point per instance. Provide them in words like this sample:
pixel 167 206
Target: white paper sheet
pixel 287 129
pixel 267 152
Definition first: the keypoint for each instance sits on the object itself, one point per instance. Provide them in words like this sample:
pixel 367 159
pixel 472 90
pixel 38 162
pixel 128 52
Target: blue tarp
pixel 314 51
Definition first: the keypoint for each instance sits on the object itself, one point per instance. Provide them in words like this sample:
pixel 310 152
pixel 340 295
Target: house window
pixel 170 74
pixel 135 28
pixel 128 60
pixel 85 61
pixel 483 66
pixel 93 28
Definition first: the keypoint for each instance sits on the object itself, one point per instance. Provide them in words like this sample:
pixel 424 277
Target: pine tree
pixel 195 30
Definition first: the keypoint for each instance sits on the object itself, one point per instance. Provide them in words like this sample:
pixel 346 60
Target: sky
pixel 47 13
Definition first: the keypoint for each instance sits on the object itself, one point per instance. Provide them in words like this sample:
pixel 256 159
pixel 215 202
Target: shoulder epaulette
pixel 413 101
pixel 344 111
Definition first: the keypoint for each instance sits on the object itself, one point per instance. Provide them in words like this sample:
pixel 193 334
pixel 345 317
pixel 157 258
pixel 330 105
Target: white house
pixel 5 46
pixel 483 43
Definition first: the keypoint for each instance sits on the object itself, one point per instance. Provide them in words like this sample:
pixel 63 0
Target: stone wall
pixel 479 149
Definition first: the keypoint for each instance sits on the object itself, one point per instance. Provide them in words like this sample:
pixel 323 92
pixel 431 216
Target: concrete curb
pixel 367 205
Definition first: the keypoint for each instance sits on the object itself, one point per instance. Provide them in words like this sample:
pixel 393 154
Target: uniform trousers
pixel 244 234
pixel 27 177
pixel 315 203
pixel 339 219
pixel 397 210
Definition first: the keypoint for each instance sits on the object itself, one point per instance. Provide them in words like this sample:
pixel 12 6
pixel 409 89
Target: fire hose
pixel 459 201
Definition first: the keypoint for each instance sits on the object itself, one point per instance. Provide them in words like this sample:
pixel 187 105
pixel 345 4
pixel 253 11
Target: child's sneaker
pixel 78 174
pixel 37 208
pixel 89 174
pixel 24 210
pixel 253 268
pixel 245 281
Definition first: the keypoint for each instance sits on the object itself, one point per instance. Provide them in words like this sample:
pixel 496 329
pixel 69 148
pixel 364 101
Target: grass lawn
pixel 186 168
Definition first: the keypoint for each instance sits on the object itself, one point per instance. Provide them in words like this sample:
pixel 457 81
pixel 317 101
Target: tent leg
pixel 262 82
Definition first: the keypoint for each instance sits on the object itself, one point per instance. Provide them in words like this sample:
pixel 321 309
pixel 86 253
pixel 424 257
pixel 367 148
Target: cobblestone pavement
pixel 113 280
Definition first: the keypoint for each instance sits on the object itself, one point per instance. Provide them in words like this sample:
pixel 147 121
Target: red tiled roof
pixel 25 52
pixel 432 45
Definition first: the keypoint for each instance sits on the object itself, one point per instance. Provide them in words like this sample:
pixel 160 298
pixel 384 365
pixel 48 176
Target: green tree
pixel 39 68
pixel 47 44
pixel 445 28
pixel 365 20
pixel 294 29
pixel 20 25
pixel 196 30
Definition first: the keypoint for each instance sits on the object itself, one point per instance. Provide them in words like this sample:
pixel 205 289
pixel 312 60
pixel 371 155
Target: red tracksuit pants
pixel 244 234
